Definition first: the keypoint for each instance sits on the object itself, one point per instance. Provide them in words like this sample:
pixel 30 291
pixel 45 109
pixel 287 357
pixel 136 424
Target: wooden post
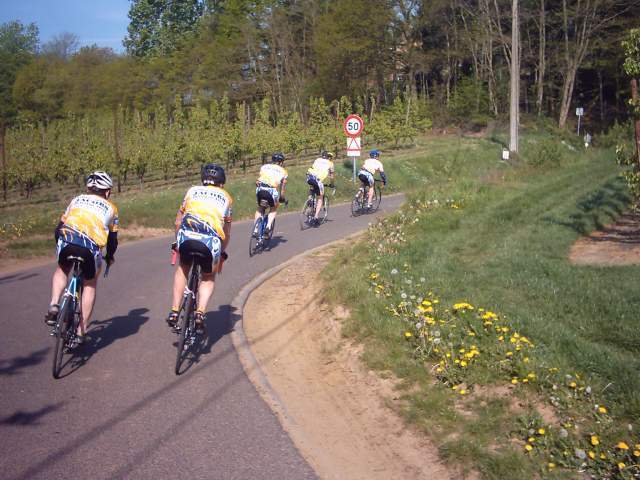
pixel 3 159
pixel 514 111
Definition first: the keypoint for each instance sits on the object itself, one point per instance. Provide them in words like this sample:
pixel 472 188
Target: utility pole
pixel 514 112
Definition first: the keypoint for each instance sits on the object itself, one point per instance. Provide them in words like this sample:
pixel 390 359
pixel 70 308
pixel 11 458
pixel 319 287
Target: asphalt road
pixel 120 411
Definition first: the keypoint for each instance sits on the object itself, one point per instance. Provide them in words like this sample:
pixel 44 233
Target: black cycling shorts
pixel 205 259
pixel 88 267
pixel 313 181
pixel 265 195
pixel 365 180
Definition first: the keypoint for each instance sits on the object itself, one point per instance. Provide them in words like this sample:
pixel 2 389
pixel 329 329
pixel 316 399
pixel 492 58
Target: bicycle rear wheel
pixel 63 323
pixel 308 210
pixel 256 235
pixel 184 321
pixel 356 203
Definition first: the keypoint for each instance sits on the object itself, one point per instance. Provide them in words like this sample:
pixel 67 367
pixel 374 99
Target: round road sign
pixel 353 125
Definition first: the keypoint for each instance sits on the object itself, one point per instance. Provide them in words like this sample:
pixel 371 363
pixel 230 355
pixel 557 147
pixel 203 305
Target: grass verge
pixel 518 363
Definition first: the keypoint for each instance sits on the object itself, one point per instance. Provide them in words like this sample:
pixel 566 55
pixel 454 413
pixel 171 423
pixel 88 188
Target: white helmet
pixel 99 180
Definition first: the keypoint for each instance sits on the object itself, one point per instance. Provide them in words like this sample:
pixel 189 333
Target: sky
pixel 101 22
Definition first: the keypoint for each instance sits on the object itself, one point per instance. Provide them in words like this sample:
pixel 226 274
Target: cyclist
pixel 203 225
pixel 369 168
pixel 270 187
pixel 89 223
pixel 316 175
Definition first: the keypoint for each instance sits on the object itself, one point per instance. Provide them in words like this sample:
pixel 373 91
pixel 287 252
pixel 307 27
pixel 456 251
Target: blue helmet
pixel 374 153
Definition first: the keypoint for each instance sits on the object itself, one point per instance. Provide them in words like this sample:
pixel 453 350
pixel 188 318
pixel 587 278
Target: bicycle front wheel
pixel 267 240
pixel 254 240
pixel 63 324
pixel 184 321
pixel 308 211
pixel 324 211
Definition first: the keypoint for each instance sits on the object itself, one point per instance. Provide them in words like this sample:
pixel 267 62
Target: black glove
pixel 284 200
pixel 224 256
pixel 331 185
pixel 109 260
pixel 174 246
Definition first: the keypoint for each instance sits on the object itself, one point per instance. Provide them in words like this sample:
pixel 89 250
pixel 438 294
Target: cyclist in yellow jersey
pixel 370 167
pixel 321 169
pixel 203 225
pixel 89 224
pixel 270 187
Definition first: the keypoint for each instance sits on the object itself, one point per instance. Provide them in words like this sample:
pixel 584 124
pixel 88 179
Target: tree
pixel 61 46
pixel 157 27
pixel 514 114
pixel 632 68
pixel 18 45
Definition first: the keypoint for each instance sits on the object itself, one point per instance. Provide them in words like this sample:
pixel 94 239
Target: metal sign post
pixel 579 113
pixel 353 126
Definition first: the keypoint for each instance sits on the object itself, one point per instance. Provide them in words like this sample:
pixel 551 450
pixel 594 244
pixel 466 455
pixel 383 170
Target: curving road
pixel 120 412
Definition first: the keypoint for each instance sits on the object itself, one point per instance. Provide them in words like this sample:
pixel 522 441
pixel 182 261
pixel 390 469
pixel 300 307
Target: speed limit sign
pixel 353 125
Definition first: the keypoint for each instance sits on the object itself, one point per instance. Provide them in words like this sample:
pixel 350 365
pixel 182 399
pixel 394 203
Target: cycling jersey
pixel 321 168
pixel 372 165
pixel 88 220
pixel 206 209
pixel 272 175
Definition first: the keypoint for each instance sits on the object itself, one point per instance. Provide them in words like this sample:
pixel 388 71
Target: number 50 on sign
pixel 353 125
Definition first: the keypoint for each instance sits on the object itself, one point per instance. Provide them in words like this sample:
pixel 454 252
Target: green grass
pixel 506 250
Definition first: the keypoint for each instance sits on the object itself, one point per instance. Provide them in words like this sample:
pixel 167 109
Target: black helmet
pixel 213 174
pixel 277 157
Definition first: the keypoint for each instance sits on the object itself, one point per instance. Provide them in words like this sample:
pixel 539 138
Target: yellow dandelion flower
pixel 573 384
pixel 541 431
pixel 463 363
pixel 525 380
pixel 595 440
pixel 525 359
pixel 408 334
pixel 501 338
pixel 532 376
pixel 592 455
pixel 528 447
pixel 439 370
pixel 551 465
pixel 509 354
pixel 463 391
pixel 455 387
pixel 622 446
pixel 621 465
pixel 603 456
pixel 636 453
pixel 514 381
pixel 602 409
pixel 531 440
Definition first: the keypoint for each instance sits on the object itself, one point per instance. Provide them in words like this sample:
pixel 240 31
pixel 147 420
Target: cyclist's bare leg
pixel 205 290
pixel 179 282
pixel 319 205
pixel 58 282
pixel 88 300
pixel 370 199
pixel 272 215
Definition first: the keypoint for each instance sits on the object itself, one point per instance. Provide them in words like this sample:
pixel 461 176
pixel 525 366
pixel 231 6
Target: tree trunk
pixel 116 146
pixel 3 159
pixel 636 98
pixel 567 94
pixel 541 58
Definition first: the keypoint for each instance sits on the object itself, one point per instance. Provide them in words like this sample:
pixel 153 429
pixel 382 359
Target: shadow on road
pixel 14 365
pixel 16 277
pixel 30 419
pixel 102 334
pixel 218 324
pixel 276 240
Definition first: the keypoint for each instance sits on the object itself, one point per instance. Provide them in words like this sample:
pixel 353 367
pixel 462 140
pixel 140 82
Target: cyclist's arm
pixel 56 232
pixel 227 233
pixel 178 222
pixel 383 177
pixel 112 244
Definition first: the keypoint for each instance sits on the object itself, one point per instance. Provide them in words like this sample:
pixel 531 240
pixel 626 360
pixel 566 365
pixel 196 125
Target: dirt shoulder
pixel 617 244
pixel 338 413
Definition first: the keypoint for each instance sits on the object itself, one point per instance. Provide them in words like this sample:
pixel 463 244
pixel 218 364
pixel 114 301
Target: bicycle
pixel 309 209
pixel 69 316
pixel 258 241
pixel 359 202
pixel 186 324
